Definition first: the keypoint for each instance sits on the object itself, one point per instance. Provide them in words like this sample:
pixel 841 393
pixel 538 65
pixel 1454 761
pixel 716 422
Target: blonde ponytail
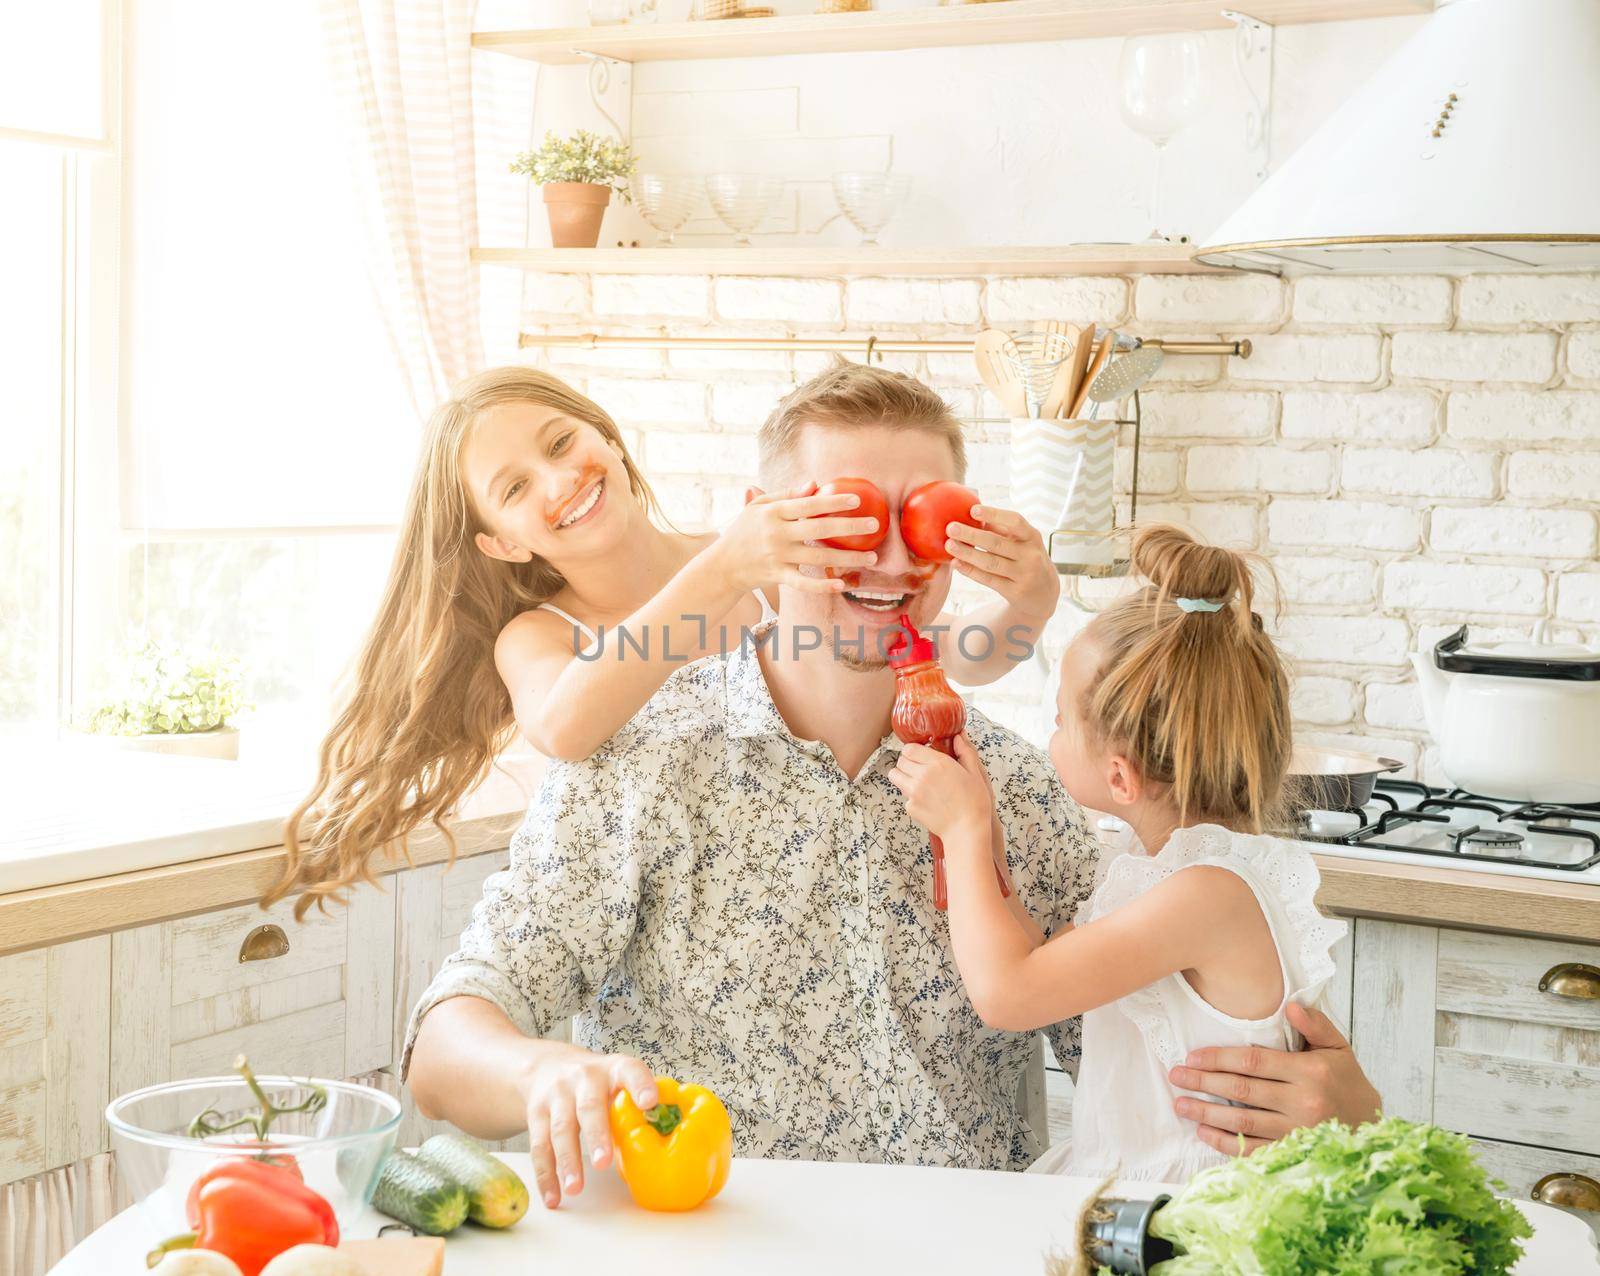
pixel 1191 688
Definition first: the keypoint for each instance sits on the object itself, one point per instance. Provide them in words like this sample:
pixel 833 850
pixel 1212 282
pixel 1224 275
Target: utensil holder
pixel 1062 480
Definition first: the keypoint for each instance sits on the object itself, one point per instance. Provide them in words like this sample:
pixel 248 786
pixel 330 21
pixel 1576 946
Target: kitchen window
pixel 206 435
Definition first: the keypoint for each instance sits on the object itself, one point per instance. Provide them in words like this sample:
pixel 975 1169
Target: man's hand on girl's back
pixel 1271 1092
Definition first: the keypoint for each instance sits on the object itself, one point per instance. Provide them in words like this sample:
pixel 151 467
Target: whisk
pixel 1036 356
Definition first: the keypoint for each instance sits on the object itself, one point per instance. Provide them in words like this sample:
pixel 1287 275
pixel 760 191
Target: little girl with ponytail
pixel 1173 715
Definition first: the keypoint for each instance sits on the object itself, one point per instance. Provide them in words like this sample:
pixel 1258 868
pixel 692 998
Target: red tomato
pixel 928 511
pixel 872 506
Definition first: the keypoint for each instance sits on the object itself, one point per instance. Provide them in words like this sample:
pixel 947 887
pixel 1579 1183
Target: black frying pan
pixel 1332 780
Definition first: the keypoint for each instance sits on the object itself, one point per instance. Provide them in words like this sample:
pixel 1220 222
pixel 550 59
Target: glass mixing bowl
pixel 340 1150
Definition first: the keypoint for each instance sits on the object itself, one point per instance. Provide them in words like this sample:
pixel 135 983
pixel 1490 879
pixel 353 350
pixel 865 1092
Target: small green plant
pixel 167 690
pixel 583 157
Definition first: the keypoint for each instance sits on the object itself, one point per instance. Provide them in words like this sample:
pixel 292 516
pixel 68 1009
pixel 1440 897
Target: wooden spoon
pixel 1101 355
pixel 1067 375
pixel 998 373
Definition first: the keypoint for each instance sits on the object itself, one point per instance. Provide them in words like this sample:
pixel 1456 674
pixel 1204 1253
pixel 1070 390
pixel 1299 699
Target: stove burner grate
pixel 1435 811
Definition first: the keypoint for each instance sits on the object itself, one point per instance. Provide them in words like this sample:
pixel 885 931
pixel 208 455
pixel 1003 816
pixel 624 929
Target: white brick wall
pixel 1358 302
pixel 1475 356
pixel 1408 452
pixel 1293 357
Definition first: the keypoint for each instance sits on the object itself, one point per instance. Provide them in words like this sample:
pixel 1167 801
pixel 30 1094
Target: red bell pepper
pixel 251 1211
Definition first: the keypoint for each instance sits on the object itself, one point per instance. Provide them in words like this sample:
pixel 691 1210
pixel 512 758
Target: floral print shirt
pixel 718 898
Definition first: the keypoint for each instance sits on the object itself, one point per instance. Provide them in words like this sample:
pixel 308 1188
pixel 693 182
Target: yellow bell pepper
pixel 676 1156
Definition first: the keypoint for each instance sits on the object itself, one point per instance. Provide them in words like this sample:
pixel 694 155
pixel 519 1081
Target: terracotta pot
pixel 575 210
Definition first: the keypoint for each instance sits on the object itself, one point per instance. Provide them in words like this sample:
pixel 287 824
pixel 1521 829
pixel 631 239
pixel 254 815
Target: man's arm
pixel 541 942
pixel 1281 1091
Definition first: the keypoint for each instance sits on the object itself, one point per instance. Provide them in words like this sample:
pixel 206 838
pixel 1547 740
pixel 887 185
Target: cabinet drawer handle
pixel 263 944
pixel 1573 980
pixel 1571 1191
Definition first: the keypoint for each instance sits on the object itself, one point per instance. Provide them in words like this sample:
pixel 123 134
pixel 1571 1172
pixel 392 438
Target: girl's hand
pixel 947 796
pixel 1008 555
pixel 770 541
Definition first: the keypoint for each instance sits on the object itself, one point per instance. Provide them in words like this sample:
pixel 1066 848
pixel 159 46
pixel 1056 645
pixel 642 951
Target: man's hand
pixel 944 794
pixel 1008 555
pixel 1281 1091
pixel 567 1097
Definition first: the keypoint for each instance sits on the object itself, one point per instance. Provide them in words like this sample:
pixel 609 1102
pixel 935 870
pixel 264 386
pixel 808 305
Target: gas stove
pixel 1418 824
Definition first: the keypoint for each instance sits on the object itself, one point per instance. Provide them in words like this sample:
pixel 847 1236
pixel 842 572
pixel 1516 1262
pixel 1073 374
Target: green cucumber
pixel 496 1197
pixel 420 1195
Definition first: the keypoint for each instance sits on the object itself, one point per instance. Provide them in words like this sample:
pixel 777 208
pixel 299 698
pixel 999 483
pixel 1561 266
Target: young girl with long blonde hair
pixel 530 539
pixel 1173 714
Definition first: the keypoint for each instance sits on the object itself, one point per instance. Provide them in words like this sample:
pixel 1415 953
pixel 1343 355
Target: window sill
pixel 80 809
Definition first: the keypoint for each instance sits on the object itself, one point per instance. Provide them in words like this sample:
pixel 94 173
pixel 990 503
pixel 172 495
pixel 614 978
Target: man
pixel 732 891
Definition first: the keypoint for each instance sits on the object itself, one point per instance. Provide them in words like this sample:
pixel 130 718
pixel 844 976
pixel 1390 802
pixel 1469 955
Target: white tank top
pixel 591 639
pixel 1122 1117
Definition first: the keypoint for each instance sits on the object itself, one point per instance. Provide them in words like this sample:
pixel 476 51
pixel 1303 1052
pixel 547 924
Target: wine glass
pixel 742 200
pixel 1163 81
pixel 869 200
pixel 665 200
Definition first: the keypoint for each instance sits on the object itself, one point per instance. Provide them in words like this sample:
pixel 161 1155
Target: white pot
pixel 223 742
pixel 1515 720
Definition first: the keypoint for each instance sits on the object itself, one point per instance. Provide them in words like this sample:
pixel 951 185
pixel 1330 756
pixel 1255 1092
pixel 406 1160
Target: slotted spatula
pixel 993 353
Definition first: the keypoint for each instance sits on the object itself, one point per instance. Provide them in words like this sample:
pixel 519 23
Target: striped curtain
pixel 42 1217
pixel 402 69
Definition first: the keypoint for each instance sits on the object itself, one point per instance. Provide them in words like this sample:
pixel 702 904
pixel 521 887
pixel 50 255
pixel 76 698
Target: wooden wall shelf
pixel 1007 22
pixel 812 262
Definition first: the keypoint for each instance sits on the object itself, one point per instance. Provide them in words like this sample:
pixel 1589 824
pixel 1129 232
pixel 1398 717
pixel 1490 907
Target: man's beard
pixel 859 655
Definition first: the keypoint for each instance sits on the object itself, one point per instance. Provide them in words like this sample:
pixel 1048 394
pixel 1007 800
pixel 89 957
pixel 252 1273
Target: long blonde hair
pixel 1198 700
pixel 426 712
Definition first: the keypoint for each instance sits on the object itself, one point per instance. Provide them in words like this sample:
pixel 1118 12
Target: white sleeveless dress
pixel 1122 1117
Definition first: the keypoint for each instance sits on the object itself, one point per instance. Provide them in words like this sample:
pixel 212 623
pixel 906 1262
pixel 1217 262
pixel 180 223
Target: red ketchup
pixel 927 711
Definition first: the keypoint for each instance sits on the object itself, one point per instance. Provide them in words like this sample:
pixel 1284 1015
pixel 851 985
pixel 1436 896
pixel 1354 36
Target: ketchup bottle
pixel 927 711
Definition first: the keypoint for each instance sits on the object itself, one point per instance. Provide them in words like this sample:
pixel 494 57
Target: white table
pixel 779 1218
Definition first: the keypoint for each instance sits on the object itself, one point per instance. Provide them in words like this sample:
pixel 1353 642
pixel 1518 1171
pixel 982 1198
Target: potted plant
pixel 172 700
pixel 578 174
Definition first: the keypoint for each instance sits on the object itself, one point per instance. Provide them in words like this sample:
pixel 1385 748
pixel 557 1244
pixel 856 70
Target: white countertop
pixel 799 1218
pixel 83 809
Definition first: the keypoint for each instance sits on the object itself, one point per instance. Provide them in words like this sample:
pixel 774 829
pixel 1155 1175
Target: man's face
pixel 857 624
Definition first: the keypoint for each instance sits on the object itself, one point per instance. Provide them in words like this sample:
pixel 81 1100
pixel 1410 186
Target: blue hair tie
pixel 1197 604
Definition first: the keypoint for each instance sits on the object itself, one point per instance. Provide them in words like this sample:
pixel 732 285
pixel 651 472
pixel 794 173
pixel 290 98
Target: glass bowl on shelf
pixel 869 200
pixel 339 1149
pixel 742 201
pixel 665 200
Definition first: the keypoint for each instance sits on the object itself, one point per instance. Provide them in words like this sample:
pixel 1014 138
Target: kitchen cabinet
pixel 54 1056
pixel 1453 1027
pixel 312 998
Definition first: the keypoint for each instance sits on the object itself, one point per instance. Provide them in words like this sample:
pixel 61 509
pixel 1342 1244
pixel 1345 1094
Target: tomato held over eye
pixel 872 506
pixel 930 509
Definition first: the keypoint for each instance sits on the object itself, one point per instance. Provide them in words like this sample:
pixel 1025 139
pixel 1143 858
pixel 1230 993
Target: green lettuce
pixel 1393 1198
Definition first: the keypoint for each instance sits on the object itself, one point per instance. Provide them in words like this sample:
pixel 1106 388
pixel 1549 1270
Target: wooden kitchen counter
pixel 1350 888
pixel 76 910
pixel 1460 898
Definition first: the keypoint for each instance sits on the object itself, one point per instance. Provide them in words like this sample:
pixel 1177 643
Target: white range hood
pixel 1476 148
